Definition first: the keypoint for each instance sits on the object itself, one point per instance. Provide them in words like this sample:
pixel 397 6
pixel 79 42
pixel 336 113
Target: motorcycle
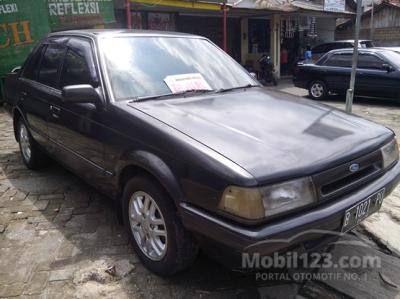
pixel 267 73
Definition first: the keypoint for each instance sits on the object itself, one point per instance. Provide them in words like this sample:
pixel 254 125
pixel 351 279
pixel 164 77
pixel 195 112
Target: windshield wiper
pixel 234 88
pixel 167 95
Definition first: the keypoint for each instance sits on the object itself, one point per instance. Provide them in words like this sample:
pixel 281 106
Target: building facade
pixel 385 28
pixel 252 27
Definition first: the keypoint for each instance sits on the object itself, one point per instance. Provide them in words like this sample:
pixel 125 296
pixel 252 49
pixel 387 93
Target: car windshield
pixel 143 66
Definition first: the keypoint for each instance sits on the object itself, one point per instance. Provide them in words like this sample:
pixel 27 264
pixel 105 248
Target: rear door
pixel 76 128
pixel 37 86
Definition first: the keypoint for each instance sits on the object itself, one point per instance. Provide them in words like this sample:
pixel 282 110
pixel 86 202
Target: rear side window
pixel 31 70
pixel 366 61
pixel 339 60
pixel 50 65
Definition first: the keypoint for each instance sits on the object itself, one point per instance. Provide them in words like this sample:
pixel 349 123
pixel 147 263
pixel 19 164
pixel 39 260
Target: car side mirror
pixel 387 67
pixel 83 93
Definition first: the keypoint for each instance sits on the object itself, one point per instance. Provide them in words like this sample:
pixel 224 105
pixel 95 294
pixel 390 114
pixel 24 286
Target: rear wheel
pixel 157 235
pixel 32 156
pixel 317 90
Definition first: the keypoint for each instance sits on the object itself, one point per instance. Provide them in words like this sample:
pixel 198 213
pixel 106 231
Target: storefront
pixel 283 29
pixel 200 18
pixel 279 28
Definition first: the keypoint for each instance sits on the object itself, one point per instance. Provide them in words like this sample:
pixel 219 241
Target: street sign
pixel 335 5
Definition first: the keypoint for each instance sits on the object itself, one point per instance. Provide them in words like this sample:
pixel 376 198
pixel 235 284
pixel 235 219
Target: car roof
pixel 390 48
pixel 362 50
pixel 344 41
pixel 352 40
pixel 96 33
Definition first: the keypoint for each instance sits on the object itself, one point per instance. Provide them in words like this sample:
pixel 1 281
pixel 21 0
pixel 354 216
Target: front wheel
pixel 157 235
pixel 317 90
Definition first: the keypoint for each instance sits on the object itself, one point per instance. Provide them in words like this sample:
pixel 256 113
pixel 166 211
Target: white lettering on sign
pixel 8 8
pixel 184 82
pixel 74 8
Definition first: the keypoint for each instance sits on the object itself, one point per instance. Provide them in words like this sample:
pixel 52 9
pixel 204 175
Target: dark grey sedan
pixel 194 152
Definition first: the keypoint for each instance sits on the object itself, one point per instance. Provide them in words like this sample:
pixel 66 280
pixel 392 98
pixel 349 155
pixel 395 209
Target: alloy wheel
pixel 25 142
pixel 148 225
pixel 317 90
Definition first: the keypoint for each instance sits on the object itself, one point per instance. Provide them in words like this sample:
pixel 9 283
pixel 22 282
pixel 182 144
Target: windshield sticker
pixel 186 82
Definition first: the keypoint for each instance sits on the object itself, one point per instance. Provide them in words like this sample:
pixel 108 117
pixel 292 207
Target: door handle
pixel 55 111
pixel 24 93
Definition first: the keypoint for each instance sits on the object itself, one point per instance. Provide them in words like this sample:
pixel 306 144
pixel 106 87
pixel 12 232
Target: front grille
pixel 340 180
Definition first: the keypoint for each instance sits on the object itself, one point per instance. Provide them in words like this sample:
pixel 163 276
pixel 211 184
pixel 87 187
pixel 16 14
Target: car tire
pixel 156 233
pixel 317 90
pixel 32 155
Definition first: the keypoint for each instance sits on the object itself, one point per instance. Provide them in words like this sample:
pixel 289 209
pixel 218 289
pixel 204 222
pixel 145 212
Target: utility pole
pixel 350 91
pixel 371 30
pixel 225 27
pixel 128 14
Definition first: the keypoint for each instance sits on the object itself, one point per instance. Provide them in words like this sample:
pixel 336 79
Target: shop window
pixel 161 21
pixel 137 20
pixel 259 36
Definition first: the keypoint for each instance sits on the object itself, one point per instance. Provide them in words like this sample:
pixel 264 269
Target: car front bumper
pixel 227 241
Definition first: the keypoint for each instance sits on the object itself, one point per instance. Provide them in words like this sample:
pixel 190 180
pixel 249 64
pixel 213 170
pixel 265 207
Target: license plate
pixel 357 213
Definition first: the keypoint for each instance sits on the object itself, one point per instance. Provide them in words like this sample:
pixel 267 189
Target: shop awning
pixel 206 5
pixel 286 6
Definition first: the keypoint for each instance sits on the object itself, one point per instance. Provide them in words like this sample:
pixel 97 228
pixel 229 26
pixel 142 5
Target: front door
pixel 374 80
pixel 75 128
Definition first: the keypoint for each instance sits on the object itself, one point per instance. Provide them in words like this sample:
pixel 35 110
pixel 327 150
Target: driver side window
pixel 75 70
pixel 78 67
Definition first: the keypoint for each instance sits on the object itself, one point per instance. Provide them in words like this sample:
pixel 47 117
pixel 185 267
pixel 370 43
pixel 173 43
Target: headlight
pixel 257 203
pixel 390 153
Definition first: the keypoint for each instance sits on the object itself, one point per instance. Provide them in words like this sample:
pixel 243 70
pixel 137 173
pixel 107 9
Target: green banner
pixel 21 26
pixel 80 13
pixel 24 22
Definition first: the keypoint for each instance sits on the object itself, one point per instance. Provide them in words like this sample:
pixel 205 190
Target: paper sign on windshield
pixel 184 82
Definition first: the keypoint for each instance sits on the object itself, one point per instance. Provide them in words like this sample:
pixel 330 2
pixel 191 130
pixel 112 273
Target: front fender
pixel 154 165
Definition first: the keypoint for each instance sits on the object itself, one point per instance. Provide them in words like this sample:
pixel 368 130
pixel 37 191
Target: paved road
pixel 58 237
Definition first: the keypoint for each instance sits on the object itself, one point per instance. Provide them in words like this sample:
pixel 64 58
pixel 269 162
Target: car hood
pixel 272 135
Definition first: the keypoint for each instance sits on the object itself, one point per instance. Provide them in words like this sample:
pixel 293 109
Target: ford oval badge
pixel 354 167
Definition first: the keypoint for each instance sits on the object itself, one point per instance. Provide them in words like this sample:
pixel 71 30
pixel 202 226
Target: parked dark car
pixel 378 74
pixel 321 49
pixel 191 148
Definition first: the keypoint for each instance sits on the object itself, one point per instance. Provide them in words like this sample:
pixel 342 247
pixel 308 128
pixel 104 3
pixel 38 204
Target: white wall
pixel 326 29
